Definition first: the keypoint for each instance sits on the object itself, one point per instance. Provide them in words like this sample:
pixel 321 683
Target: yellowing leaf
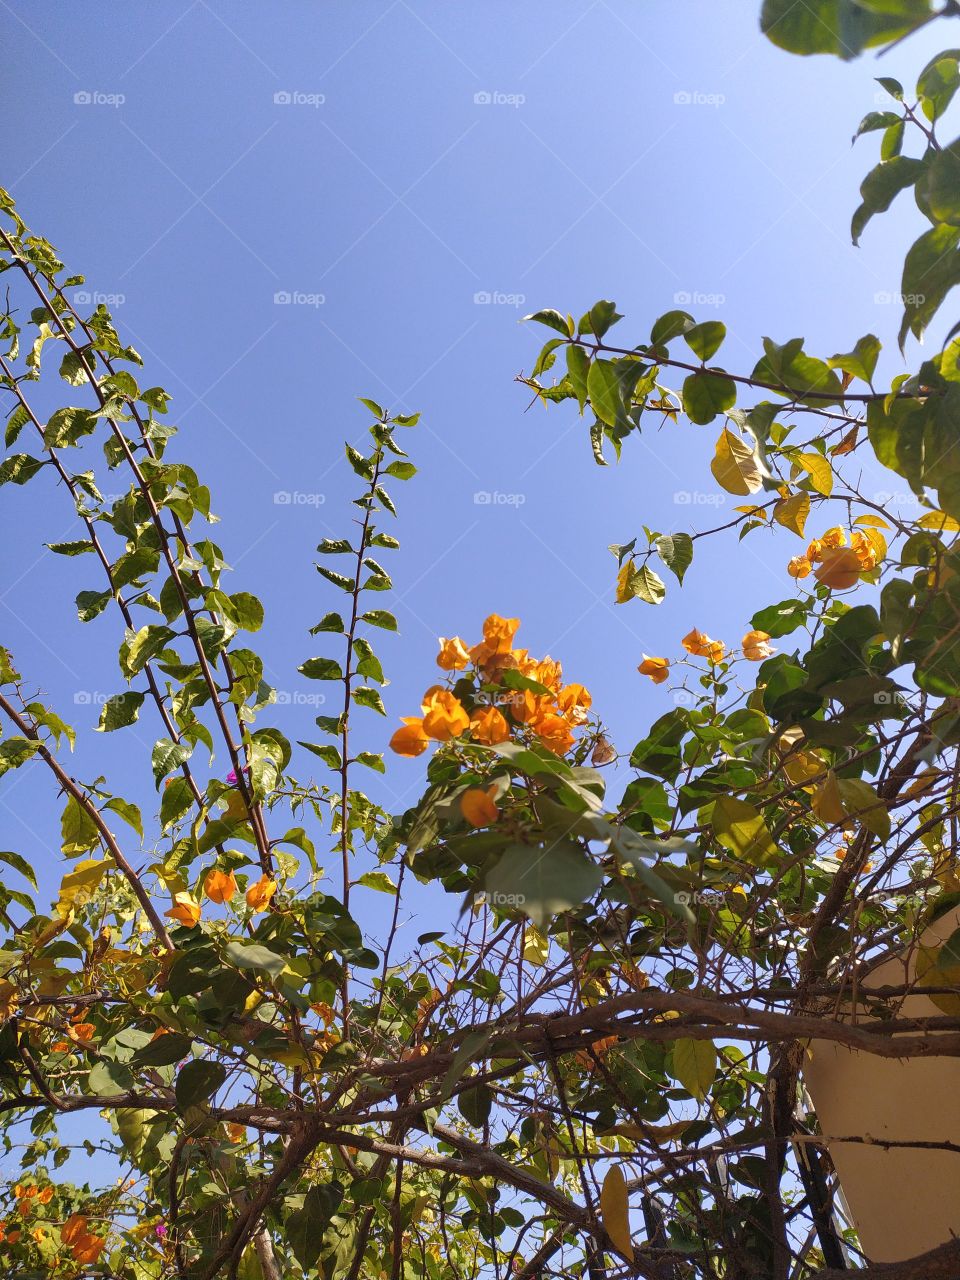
pixel 877 522
pixel 695 1066
pixel 615 1210
pixel 818 469
pixel 939 521
pixel 79 886
pixel 741 828
pixel 826 802
pixel 860 801
pixel 735 465
pixel 792 512
pixel 536 947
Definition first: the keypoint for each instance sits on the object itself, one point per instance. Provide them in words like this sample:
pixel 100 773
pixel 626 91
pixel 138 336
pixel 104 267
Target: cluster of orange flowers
pixel 838 565
pixel 756 647
pixel 78 1033
pixel 221 887
pixel 551 717
pixel 83 1244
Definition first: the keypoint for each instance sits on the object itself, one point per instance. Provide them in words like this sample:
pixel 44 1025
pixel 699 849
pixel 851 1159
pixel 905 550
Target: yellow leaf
pixel 826 802
pixel 877 522
pixel 536 947
pixel 79 886
pixel 792 512
pixel 818 469
pixel 623 583
pixel 615 1210
pixel 939 521
pixel 741 828
pixel 695 1066
pixel 735 465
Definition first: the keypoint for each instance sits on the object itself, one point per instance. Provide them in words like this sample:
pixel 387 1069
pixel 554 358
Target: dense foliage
pixel 597 1070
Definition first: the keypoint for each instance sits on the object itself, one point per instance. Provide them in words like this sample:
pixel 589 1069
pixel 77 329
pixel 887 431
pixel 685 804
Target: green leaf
pixel 670 325
pixel 78 831
pixel 367 697
pixel 251 955
pixel 930 270
pixel 705 339
pixel 676 552
pixel 862 360
pixel 695 1066
pixel 335 547
pixel 401 470
pixel 938 82
pixel 166 757
pixel 78 548
pixel 707 394
pixel 379 618
pixel 329 622
pixel 603 315
pixel 120 710
pixel 247 611
pixel 553 320
pixel 90 604
pixel 880 188
pixel 144 645
pixel 305 1229
pixel 128 811
pixel 542 880
pixel 780 619
pixel 321 669
pixel 841 27
pixel 19 468
pixel 177 800
pixel 338 579
pixel 372 759
pixel 19 863
pixel 164 1051
pixel 475 1104
pixel 378 880
pixel 606 392
pixel 197 1081
pixel 327 753
pixel 640 583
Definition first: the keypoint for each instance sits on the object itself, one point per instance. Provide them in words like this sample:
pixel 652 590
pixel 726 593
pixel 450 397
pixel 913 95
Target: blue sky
pixel 428 156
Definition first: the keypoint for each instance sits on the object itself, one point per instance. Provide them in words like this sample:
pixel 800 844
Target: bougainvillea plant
pixel 596 1069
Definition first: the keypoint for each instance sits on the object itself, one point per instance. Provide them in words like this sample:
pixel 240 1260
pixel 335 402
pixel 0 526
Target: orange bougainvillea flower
pixel 554 732
pixel 701 646
pixel 498 636
pixel 219 886
pixel 259 894
pixel 658 669
pixel 834 538
pixel 870 547
pixel 444 717
pixel 813 551
pixel 236 1132
pixel 13 1236
pixel 73 1229
pixel 839 569
pixel 88 1248
pixel 756 646
pixel 550 673
pixel 478 807
pixel 185 910
pixel 527 706
pixel 83 1033
pixel 574 702
pixel 488 725
pixel 410 740
pixel 799 567
pixel 46 1195
pixel 453 655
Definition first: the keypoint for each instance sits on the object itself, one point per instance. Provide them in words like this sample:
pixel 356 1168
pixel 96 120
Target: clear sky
pixel 387 165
